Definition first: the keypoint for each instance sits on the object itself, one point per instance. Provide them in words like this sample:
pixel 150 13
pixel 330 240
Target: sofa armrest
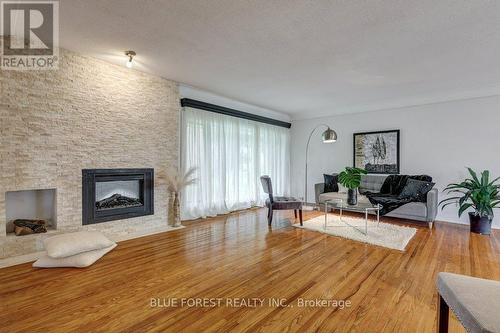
pixel 432 204
pixel 318 189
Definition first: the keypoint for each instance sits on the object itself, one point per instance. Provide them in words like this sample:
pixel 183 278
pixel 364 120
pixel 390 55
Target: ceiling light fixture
pixel 130 55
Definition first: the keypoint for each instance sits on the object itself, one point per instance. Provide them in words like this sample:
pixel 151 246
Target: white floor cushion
pixel 78 260
pixel 66 245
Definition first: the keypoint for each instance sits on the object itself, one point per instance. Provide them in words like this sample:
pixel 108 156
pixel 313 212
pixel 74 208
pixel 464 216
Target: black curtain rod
pixel 231 112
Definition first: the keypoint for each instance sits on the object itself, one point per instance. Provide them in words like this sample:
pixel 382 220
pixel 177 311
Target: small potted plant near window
pixel 351 179
pixel 478 194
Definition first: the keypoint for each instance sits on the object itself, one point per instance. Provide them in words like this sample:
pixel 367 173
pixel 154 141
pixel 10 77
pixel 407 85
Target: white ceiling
pixel 301 57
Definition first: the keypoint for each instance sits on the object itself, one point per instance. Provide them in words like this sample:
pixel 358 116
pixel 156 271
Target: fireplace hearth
pixel 115 194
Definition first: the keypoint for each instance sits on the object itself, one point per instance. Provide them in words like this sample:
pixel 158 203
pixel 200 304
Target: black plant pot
pixel 480 224
pixel 352 196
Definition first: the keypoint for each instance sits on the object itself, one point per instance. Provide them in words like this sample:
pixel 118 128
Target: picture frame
pixel 377 152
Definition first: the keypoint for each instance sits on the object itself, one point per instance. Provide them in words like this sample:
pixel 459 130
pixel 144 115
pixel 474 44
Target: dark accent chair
pixel 279 203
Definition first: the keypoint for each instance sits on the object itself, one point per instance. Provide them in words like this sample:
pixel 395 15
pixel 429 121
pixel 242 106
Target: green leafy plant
pixel 479 194
pixel 351 177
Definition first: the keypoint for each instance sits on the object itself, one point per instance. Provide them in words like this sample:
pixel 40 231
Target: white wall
pixel 436 139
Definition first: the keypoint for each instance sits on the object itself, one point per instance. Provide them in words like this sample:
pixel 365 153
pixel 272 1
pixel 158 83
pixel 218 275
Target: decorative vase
pixel 175 209
pixel 352 196
pixel 480 224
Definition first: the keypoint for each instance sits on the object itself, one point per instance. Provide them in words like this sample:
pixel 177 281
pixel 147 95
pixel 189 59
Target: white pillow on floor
pixel 66 245
pixel 78 260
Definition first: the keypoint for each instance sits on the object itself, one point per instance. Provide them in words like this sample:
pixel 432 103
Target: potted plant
pixel 351 179
pixel 478 194
pixel 176 182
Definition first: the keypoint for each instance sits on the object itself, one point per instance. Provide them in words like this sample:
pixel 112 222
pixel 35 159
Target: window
pixel 231 154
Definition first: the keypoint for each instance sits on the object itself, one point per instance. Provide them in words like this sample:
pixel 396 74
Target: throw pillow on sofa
pixel 416 189
pixel 80 260
pixel 342 188
pixel 331 183
pixel 69 244
pixel 394 184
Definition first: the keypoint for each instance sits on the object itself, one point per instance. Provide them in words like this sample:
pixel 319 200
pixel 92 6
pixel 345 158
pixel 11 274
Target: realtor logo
pixel 29 35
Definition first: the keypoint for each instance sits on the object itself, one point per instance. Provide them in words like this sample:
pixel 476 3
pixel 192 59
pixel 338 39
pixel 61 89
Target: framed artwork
pixel 377 152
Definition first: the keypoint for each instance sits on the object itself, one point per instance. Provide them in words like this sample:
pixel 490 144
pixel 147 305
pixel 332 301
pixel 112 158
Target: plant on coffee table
pixel 481 194
pixel 351 178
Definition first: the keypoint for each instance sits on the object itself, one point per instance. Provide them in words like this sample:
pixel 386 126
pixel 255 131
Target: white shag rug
pixel 387 235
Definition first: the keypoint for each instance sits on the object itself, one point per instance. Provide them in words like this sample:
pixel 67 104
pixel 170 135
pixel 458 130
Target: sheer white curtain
pixel 230 154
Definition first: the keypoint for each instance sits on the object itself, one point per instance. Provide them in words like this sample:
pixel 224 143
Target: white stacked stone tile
pixel 87 114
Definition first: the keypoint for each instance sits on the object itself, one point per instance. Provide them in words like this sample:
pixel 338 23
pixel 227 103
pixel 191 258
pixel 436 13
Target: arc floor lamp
pixel 328 136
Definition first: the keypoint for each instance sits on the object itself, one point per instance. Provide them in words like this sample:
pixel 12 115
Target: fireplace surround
pixel 116 194
pixel 56 137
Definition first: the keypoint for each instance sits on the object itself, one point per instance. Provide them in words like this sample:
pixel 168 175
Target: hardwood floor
pixel 238 256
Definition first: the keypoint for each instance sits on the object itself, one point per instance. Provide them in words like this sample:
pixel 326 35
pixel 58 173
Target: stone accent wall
pixel 87 114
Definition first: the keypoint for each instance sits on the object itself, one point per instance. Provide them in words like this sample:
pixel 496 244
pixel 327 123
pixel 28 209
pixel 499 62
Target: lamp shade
pixel 329 136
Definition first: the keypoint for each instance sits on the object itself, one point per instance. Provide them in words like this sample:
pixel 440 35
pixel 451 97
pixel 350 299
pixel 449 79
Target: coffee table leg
pixel 326 212
pixel 366 221
pixel 378 217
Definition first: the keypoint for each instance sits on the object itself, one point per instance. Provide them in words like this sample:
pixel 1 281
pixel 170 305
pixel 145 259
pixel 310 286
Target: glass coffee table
pixel 360 207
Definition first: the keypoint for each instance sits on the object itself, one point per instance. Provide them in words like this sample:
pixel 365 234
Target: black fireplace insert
pixel 116 194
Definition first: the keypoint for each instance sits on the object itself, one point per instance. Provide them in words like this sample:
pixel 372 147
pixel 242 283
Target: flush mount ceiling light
pixel 130 55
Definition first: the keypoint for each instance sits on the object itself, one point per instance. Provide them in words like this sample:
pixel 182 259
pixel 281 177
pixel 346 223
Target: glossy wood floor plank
pixel 238 256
